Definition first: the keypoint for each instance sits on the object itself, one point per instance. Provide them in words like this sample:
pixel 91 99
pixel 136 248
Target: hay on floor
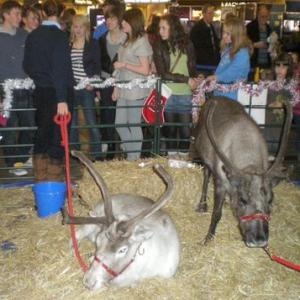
pixel 42 267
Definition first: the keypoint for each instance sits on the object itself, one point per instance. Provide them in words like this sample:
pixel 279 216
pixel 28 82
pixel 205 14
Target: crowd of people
pixel 57 49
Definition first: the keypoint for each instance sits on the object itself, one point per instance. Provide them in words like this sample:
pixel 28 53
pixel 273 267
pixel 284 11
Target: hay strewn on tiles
pixel 42 267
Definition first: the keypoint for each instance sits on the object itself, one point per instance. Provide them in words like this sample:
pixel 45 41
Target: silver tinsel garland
pixel 252 89
pixel 16 84
pixel 98 83
pixel 8 86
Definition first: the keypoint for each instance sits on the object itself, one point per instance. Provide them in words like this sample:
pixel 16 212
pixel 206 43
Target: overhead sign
pixel 83 2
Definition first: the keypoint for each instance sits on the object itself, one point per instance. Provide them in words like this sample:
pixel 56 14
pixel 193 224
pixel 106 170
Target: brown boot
pixel 40 164
pixel 55 170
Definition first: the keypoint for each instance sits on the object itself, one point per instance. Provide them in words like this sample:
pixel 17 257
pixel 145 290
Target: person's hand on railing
pixel 62 108
pixel 211 78
pixel 114 95
pixel 193 83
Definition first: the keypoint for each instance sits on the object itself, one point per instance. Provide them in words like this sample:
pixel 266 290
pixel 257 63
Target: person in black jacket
pixel 47 61
pixel 85 57
pixel 109 46
pixel 174 59
pixel 205 40
pixel 258 31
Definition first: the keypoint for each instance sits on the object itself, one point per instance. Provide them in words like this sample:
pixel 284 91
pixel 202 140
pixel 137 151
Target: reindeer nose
pixel 89 281
pixel 256 244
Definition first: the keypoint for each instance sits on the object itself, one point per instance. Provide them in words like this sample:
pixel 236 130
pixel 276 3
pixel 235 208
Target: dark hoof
pixel 207 239
pixel 202 208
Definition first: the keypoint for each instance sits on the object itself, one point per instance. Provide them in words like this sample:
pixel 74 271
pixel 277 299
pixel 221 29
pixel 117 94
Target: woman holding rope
pixel 47 61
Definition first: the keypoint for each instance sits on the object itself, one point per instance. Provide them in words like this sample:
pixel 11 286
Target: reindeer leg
pixel 202 205
pixel 219 198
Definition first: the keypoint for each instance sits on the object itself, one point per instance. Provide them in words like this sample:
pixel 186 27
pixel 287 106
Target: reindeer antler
pixel 284 138
pixel 67 219
pixel 127 226
pixel 101 184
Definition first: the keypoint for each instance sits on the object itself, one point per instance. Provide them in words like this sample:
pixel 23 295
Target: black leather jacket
pixel 161 57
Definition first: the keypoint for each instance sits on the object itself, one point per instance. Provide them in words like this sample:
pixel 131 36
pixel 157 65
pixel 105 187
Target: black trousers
pixel 107 115
pixel 48 137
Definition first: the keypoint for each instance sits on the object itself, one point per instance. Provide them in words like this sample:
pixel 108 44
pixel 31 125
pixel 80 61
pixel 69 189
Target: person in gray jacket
pixel 12 41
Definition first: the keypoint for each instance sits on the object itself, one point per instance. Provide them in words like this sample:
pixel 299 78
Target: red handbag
pixel 148 111
pixel 3 120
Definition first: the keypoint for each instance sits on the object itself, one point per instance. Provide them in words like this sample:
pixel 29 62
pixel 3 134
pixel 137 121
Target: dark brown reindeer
pixel 234 151
pixel 134 238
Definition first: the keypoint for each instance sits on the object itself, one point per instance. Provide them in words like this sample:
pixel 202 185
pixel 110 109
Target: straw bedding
pixel 42 266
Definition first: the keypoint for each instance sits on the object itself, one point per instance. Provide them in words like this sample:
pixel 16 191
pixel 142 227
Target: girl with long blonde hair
pixel 235 56
pixel 85 56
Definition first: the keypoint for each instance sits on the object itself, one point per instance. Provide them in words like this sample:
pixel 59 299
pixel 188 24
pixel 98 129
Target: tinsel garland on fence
pixel 252 89
pixel 8 86
pixel 198 99
pixel 98 83
pixel 16 84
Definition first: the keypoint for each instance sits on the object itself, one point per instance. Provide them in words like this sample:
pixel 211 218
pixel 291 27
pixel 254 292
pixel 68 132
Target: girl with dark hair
pixel 174 59
pixel 110 43
pixel 153 29
pixel 134 59
pixel 283 71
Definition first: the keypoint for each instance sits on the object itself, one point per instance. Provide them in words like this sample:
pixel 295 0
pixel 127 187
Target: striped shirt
pixel 77 64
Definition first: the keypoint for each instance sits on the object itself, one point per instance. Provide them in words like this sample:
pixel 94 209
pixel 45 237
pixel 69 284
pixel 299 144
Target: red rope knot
pixel 62 119
pixel 260 216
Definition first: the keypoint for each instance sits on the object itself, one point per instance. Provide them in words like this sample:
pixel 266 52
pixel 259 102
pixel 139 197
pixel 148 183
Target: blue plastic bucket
pixel 49 197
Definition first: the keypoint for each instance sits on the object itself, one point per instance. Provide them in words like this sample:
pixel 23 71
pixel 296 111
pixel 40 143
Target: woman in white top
pixel 134 59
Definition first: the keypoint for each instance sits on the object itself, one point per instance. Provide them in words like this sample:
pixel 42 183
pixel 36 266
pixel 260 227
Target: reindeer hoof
pixel 207 239
pixel 202 208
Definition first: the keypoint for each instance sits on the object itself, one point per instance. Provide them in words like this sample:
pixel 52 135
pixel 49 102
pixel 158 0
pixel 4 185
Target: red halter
pixel 260 216
pixel 113 273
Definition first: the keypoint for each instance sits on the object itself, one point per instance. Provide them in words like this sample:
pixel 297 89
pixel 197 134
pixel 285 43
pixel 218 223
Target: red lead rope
pixel 264 217
pixel 282 261
pixel 62 121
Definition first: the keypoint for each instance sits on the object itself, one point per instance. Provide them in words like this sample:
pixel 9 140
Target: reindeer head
pixel 119 243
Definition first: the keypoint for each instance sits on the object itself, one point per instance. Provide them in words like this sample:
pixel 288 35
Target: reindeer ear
pixel 141 233
pixel 234 180
pixel 280 174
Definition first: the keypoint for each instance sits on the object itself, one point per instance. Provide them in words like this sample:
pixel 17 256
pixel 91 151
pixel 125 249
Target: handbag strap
pixel 176 62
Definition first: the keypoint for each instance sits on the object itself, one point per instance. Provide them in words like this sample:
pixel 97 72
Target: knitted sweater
pixel 11 54
pixel 47 60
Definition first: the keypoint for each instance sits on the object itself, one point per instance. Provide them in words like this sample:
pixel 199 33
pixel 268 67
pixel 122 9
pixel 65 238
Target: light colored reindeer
pixel 134 238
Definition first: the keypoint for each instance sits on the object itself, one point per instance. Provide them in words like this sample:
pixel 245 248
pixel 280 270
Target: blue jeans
pixel 22 100
pixel 86 99
pixel 179 104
